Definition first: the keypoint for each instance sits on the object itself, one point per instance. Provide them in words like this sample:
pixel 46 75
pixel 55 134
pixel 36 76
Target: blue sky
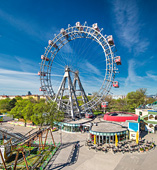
pixel 26 27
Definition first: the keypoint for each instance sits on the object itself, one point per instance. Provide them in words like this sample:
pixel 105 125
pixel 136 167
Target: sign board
pixel 132 135
pixel 133 126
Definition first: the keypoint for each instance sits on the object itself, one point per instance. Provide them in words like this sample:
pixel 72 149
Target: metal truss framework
pixel 70 34
pixel 72 105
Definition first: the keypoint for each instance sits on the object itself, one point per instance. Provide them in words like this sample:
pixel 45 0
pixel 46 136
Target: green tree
pixel 122 105
pixel 27 111
pixel 39 111
pixel 150 100
pixel 32 100
pixel 113 105
pixel 46 113
pixel 12 103
pixel 54 114
pixel 135 99
pixel 21 110
pixel 4 105
pixel 18 98
pixel 42 101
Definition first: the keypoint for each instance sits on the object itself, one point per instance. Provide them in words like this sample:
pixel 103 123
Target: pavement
pixel 91 160
pixel 69 157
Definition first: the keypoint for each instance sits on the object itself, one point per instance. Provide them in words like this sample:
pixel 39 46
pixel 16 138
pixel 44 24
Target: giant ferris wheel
pixel 79 53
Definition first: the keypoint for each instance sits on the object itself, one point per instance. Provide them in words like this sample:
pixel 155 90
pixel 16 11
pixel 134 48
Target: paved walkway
pixel 91 160
pixel 144 161
pixel 69 158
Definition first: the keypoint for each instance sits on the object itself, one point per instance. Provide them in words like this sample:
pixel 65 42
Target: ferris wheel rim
pixel 96 36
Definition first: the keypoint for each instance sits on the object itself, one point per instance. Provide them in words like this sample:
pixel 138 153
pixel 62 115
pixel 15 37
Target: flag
pixel 116 140
pixel 137 135
pixel 94 139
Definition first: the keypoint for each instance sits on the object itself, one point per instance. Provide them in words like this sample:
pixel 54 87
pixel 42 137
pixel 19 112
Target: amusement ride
pixel 61 56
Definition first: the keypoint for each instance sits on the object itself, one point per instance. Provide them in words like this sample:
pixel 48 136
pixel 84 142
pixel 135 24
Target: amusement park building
pixel 118 96
pixel 141 112
pixel 120 116
pixel 152 119
pixel 105 132
pixel 36 97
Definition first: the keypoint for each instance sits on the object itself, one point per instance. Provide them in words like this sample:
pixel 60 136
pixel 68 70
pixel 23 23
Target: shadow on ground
pixel 143 134
pixel 72 159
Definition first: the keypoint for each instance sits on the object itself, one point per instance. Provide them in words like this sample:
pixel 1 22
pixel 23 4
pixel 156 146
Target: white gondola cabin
pixel 115 84
pixel 42 89
pixel 118 60
pixel 95 26
pixel 50 42
pixel 79 26
pixel 110 40
pixel 44 58
pixel 41 73
pixel 64 33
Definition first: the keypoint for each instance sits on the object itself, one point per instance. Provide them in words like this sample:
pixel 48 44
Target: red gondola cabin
pixel 44 58
pixel 64 33
pixel 50 42
pixel 41 74
pixel 110 40
pixel 78 25
pixel 95 26
pixel 104 104
pixel 116 84
pixel 41 89
pixel 118 60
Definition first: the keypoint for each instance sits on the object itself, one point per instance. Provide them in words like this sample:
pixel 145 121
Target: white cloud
pixel 154 77
pixel 128 25
pixel 27 65
pixel 19 82
pixel 91 68
pixel 135 81
pixel 5 71
pixel 132 77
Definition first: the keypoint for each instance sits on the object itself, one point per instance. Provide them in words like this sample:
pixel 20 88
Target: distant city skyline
pixel 26 27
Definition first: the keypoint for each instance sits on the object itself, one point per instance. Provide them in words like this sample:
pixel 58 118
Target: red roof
pixel 109 117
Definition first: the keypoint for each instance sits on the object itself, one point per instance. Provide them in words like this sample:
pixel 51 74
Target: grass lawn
pixel 97 112
pixel 34 156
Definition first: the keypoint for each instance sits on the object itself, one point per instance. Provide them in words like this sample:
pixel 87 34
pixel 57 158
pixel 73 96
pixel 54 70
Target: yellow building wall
pixel 37 98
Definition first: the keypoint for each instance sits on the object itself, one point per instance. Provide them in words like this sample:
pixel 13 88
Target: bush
pixel 141 149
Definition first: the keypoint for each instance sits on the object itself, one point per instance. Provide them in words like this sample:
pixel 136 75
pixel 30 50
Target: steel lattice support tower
pixel 83 94
pixel 72 100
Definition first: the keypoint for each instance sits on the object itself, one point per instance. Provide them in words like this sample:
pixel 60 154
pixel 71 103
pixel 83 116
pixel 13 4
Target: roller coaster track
pixel 9 134
pixel 23 140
